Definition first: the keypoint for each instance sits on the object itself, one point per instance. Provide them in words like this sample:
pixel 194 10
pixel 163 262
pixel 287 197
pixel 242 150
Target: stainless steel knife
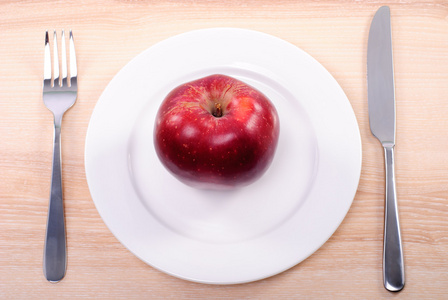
pixel 381 93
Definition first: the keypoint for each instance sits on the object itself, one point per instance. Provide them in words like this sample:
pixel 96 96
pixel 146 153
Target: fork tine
pixel 55 60
pixel 47 62
pixel 73 68
pixel 64 60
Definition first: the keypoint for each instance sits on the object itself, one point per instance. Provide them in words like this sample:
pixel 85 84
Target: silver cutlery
pixel 381 98
pixel 58 97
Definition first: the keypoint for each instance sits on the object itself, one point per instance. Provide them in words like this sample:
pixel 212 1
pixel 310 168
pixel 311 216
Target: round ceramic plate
pixel 233 236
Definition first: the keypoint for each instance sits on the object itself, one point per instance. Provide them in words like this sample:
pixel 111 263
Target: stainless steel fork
pixel 58 97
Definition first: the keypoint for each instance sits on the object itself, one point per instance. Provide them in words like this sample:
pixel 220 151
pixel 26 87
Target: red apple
pixel 216 133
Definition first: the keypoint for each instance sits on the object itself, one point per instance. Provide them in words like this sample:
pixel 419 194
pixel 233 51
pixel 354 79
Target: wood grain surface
pixel 109 34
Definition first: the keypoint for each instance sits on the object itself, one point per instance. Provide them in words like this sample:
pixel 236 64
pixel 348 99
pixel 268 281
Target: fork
pixel 58 97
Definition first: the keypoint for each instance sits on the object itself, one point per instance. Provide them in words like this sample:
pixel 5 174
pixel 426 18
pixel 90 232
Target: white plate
pixel 236 236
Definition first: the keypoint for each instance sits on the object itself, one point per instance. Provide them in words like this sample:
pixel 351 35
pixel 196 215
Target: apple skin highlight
pixel 216 133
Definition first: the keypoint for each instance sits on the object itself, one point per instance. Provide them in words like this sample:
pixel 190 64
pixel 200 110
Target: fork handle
pixel 393 266
pixel 55 251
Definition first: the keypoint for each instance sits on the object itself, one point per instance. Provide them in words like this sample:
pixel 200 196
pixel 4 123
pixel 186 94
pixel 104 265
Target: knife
pixel 381 98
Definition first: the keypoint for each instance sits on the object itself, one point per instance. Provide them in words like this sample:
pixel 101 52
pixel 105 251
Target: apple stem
pixel 218 110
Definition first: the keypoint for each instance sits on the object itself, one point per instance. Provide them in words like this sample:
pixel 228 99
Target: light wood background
pixel 109 34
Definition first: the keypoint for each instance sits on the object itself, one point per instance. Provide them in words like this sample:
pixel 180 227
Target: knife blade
pixel 381 103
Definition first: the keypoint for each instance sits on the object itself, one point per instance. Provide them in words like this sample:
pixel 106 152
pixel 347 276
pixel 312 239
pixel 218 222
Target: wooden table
pixel 110 33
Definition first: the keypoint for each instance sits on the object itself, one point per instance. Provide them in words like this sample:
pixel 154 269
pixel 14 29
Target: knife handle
pixel 393 266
